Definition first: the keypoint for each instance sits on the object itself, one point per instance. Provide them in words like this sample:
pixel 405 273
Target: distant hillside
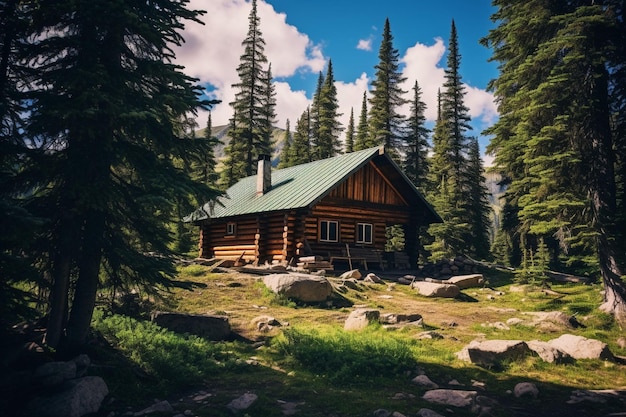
pixel 221 132
pixel 496 192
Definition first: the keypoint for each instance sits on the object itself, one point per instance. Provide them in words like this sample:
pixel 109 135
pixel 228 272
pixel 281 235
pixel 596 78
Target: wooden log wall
pixel 368 184
pixel 348 217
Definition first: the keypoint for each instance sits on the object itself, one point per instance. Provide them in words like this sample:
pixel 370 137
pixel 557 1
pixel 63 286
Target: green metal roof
pixel 296 187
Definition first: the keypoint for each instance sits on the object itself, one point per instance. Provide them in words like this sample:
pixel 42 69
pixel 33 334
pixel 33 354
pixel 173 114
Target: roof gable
pixel 296 187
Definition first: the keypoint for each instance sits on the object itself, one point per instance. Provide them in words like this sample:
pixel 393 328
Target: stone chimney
pixel 264 175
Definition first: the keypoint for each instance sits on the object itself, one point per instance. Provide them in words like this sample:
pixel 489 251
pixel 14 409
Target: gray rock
pixel 54 373
pixel 394 318
pixel 355 273
pixel 82 364
pixel 548 352
pixel 492 352
pixel 158 407
pixel 431 289
pixel 373 278
pixel 306 288
pixel 242 403
pixel 579 347
pixel 381 412
pixel 455 398
pixel 361 318
pixel 424 381
pixel 467 281
pixel 212 327
pixel 78 397
pixel 426 412
pixel 526 389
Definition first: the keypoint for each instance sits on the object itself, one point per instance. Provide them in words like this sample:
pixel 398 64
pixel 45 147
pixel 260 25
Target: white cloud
pixel 350 96
pixel 422 63
pixel 364 44
pixel 212 51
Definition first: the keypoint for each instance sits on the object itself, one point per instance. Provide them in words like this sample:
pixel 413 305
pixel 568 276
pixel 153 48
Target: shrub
pixel 346 356
pixel 173 359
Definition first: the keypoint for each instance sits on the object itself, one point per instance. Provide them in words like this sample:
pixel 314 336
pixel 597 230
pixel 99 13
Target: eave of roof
pixel 296 187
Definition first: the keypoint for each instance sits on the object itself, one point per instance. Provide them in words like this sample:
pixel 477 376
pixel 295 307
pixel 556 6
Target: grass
pixel 314 361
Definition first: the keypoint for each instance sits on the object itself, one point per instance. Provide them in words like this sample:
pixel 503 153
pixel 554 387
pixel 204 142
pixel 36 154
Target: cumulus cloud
pixel 424 63
pixel 212 51
pixel 364 44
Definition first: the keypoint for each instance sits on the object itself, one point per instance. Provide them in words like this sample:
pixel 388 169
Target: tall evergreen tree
pixel 362 132
pixel 301 146
pixel 451 174
pixel 385 121
pixel 415 163
pixel 268 115
pixel 104 109
pixel 253 107
pixel 314 118
pixel 18 225
pixel 349 145
pixel 560 82
pixel 285 153
pixel 477 206
pixel 327 125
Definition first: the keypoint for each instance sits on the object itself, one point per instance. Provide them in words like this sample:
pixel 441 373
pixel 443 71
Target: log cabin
pixel 321 208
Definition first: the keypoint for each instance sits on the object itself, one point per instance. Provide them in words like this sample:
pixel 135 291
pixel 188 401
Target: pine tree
pixel 301 146
pixel 17 223
pixel 327 127
pixel 451 168
pixel 556 92
pixel 477 206
pixel 285 153
pixel 362 132
pixel 349 145
pixel 415 163
pixel 106 105
pixel 253 107
pixel 314 118
pixel 268 115
pixel 385 121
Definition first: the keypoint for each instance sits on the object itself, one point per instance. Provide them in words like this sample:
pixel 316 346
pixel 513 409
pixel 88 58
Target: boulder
pixel 77 398
pixel 492 352
pixel 306 288
pixel 456 398
pixel 426 412
pixel 373 278
pixel 431 289
pixel 467 281
pixel 158 407
pixel 242 403
pixel 361 318
pixel 355 273
pixel 395 318
pixel 424 381
pixel 211 327
pixel 548 352
pixel 579 347
pixel 54 373
pixel 526 389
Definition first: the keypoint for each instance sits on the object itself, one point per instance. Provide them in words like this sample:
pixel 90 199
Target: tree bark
pixel 603 193
pixel 87 284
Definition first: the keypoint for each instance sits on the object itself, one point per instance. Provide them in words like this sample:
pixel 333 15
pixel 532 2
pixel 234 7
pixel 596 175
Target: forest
pixel 100 157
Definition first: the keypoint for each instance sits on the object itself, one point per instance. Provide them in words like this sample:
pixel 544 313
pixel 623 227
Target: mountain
pixel 221 132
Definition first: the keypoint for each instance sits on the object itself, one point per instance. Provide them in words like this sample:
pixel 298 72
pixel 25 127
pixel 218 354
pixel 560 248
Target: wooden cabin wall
pixel 215 242
pixel 369 185
pixel 348 217
pixel 271 237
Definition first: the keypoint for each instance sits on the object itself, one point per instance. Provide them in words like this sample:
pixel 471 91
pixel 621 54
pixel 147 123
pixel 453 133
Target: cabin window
pixel 329 231
pixel 231 229
pixel 364 233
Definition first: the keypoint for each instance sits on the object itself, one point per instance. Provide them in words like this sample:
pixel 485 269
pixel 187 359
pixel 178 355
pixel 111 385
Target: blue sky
pixel 301 36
